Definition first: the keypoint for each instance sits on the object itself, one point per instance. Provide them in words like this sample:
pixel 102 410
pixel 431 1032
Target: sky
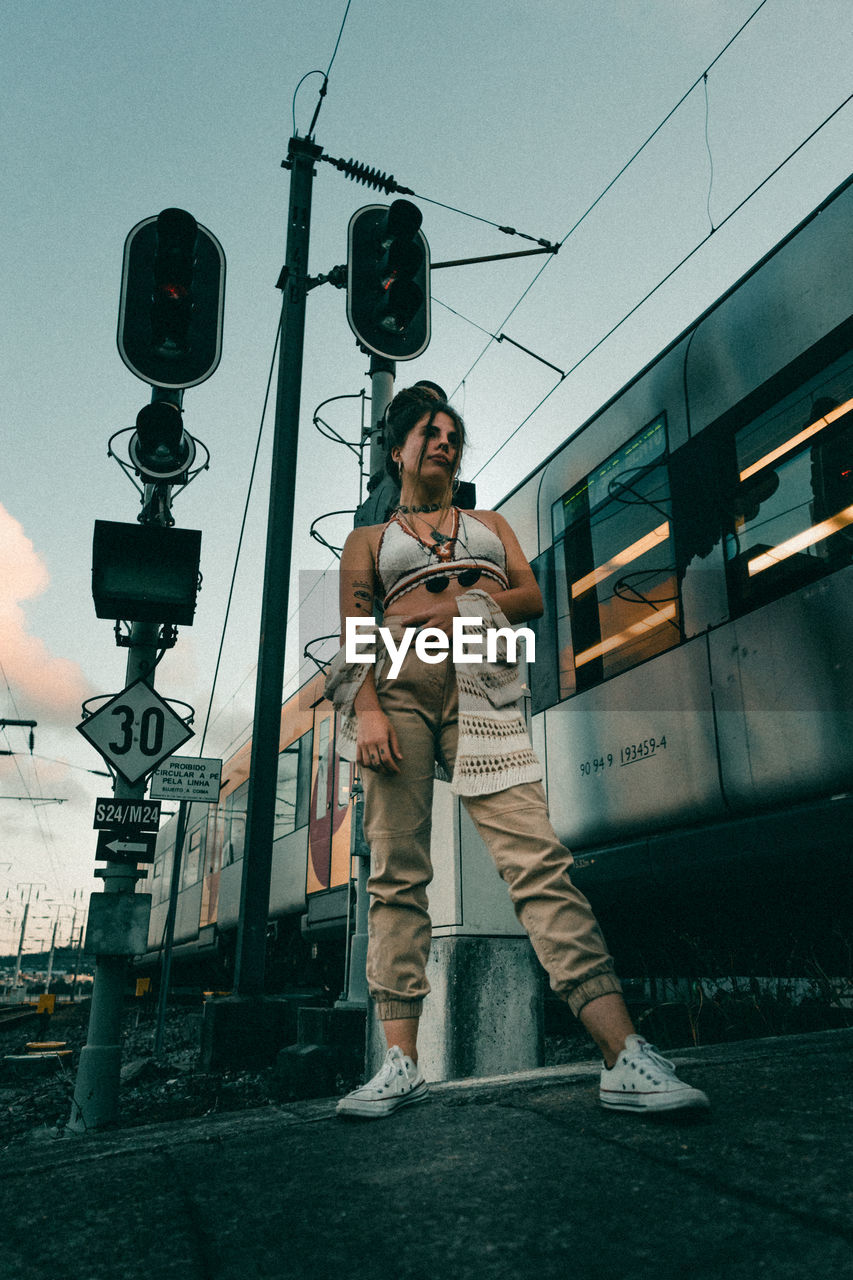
pixel 518 115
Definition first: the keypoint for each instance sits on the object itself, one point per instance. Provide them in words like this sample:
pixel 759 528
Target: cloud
pixel 45 686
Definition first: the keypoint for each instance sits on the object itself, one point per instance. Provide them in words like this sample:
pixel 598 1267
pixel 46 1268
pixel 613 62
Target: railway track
pixel 13 1015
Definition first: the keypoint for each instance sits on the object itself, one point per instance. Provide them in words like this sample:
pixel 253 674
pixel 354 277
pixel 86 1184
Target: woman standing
pixel 429 564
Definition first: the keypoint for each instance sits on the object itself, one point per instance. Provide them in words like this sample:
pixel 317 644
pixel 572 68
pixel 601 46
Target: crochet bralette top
pixel 404 562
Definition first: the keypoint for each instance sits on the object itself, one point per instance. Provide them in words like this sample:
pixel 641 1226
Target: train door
pixel 213 866
pixel 322 800
pixel 340 869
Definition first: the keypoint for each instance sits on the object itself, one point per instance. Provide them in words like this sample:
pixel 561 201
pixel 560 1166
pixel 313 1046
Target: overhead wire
pixel 324 88
pixel 207 723
pixel 610 186
pixel 302 600
pixel 322 94
pixel 47 837
pixel 307 75
pixel 665 278
pixel 710 154
pixel 232 746
pixel 338 41
pixel 68 765
pixel 242 532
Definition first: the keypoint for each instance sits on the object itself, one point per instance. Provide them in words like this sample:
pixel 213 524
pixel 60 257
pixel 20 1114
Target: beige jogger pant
pixel 422 706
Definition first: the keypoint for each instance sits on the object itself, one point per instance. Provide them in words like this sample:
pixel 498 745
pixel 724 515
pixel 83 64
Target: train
pixel 692 692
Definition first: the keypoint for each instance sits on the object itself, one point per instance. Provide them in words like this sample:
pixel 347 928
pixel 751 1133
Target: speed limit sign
pixel 135 731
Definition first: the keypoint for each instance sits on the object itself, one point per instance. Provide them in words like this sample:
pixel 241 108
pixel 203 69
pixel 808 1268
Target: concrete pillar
pixel 483 1015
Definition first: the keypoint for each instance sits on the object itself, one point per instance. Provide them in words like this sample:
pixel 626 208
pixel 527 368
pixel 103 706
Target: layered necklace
pixel 442 542
pixel 442 549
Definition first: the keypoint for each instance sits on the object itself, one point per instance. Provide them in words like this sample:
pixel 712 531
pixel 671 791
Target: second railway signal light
pixel 172 294
pixel 160 449
pixel 388 280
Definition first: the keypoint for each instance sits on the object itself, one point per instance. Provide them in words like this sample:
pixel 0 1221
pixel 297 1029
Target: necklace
pixel 442 545
pixel 442 549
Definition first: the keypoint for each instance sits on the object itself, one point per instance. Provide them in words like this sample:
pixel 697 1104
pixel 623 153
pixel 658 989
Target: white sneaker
pixel 642 1080
pixel 398 1082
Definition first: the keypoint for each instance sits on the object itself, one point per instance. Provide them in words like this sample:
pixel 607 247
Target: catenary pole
pixel 260 817
pixel 169 937
pixel 47 980
pixel 35 884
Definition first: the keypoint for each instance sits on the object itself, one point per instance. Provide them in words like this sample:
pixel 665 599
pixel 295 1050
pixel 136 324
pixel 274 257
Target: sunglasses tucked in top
pixel 471 551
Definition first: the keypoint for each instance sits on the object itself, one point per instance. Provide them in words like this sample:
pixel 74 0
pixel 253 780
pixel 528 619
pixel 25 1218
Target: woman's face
pixel 430 450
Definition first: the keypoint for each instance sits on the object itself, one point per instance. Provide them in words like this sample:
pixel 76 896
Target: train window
pixel 235 824
pixel 293 787
pixel 285 791
pixel 165 865
pixel 193 856
pixel 344 783
pixel 793 517
pixel 616 589
pixel 323 763
pixel 214 843
pixel 303 782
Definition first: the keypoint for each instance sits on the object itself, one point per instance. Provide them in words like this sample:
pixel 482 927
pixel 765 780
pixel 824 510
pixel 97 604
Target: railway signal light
pixel 388 304
pixel 172 296
pixel 160 449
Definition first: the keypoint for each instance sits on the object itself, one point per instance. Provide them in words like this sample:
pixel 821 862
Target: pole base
pixel 95 1104
pixel 484 1015
pixel 247 1032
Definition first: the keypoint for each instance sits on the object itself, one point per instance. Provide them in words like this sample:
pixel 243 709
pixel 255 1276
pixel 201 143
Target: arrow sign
pixel 126 846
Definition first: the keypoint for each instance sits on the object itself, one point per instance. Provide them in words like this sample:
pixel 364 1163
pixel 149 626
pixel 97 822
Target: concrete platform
pixel 517 1176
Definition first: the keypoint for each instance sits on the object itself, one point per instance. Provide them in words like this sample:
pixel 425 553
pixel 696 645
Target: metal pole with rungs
pixel 96 1093
pixel 169 937
pixel 263 777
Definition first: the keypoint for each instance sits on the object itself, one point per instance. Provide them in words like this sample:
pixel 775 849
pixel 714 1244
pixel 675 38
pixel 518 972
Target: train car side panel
pixel 635 753
pixel 187 915
pixel 787 306
pixel 230 882
pixel 783 684
pixel 287 879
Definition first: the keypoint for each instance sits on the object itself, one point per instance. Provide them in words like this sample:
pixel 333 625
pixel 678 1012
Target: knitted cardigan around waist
pixel 493 750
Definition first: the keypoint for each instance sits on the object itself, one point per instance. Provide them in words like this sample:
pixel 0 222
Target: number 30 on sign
pixel 135 731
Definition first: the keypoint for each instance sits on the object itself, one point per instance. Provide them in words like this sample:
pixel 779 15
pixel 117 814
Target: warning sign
pixel 187 778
